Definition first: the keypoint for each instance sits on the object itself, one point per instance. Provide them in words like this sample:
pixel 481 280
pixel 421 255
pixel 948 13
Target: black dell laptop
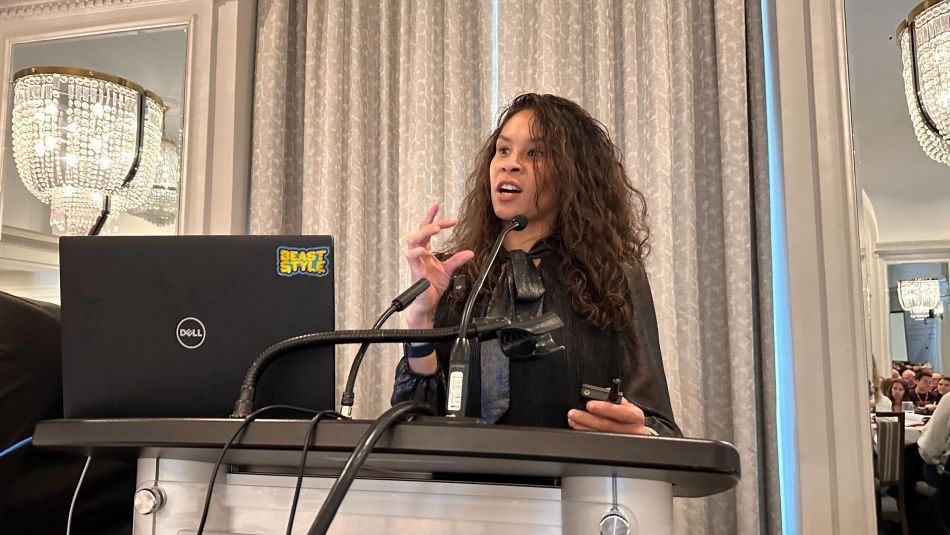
pixel 166 326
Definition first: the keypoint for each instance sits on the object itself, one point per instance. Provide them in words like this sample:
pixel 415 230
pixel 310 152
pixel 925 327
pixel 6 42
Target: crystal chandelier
pixel 161 204
pixel 84 142
pixel 919 296
pixel 924 39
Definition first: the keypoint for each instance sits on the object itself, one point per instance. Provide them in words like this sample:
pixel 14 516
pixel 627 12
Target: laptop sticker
pixel 312 261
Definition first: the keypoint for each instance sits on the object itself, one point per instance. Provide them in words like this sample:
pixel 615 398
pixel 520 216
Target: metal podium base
pixel 258 504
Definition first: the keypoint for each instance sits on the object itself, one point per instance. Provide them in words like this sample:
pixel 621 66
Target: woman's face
pixel 515 184
pixel 897 391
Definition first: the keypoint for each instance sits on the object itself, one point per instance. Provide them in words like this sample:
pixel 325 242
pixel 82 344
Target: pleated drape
pixel 365 111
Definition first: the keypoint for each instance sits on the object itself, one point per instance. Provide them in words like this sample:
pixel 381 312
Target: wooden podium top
pixel 427 447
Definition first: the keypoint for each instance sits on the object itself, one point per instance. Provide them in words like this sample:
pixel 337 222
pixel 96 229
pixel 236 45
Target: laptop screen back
pixel 166 326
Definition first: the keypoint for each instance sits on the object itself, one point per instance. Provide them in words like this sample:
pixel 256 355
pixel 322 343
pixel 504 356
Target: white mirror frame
pixel 218 94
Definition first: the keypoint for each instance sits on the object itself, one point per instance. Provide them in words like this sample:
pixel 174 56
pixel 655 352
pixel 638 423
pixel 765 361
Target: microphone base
pixel 450 420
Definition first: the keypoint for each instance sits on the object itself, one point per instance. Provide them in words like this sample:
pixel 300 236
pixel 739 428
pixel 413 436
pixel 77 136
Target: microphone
pixel 398 305
pixel 461 356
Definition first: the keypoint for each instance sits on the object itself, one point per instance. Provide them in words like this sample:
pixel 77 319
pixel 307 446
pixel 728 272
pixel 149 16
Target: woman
pixel 894 393
pixel 874 383
pixel 580 256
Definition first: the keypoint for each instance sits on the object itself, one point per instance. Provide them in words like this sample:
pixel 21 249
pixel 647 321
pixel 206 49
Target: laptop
pixel 166 326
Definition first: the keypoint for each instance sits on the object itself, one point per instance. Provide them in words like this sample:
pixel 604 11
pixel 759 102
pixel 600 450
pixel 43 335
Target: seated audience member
pixel 893 394
pixel 908 376
pixel 934 443
pixel 36 485
pixel 935 380
pixel 895 374
pixel 874 391
pixel 934 448
pixel 921 395
pixel 943 386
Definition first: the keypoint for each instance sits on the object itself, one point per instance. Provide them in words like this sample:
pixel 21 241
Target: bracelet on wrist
pixel 418 351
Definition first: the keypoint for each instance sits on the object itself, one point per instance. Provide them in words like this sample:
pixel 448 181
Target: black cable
pixel 487 328
pixel 399 304
pixel 311 431
pixel 365 446
pixel 349 394
pixel 217 464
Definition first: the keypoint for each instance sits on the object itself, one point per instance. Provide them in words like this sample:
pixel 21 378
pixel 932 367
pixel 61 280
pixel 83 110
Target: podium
pixel 424 476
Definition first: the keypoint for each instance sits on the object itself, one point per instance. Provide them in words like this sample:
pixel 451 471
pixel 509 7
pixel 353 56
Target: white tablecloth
pixel 913 427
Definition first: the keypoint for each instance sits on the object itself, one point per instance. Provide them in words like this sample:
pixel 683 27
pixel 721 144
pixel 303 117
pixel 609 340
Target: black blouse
pixel 543 389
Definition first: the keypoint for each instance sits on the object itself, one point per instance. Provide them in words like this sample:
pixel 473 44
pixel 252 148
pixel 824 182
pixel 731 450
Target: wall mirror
pixel 922 336
pixel 189 53
pixel 903 193
pixel 155 59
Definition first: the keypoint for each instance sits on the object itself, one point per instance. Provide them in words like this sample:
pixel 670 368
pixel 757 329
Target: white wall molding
pixel 27 250
pixel 31 285
pixel 914 251
pixel 826 308
pixel 879 332
pixel 27 8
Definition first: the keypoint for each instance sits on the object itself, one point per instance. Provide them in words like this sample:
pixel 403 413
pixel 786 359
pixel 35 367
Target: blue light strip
pixel 494 60
pixel 784 369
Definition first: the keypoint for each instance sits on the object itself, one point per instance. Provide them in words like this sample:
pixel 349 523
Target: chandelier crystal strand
pixel 930 47
pixel 134 194
pixel 918 296
pixel 161 204
pixel 74 141
pixel 933 145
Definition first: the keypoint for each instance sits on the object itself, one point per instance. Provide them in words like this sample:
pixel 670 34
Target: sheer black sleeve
pixel 416 386
pixel 420 387
pixel 644 379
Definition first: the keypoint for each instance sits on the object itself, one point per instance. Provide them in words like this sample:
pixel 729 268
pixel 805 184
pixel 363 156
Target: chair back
pixel 890 447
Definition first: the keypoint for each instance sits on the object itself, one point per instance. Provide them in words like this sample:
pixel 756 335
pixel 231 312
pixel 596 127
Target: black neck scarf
pixel 518 296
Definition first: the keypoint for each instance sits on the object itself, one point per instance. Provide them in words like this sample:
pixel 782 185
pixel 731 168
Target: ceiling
pixel 910 192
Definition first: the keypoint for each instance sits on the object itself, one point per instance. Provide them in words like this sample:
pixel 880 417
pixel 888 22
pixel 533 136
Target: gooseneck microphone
pixel 398 305
pixel 461 356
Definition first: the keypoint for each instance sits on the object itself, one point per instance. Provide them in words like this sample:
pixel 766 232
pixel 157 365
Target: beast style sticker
pixel 312 261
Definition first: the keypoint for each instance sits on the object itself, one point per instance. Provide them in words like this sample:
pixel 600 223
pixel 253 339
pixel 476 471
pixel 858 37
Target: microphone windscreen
pixel 519 222
pixel 407 297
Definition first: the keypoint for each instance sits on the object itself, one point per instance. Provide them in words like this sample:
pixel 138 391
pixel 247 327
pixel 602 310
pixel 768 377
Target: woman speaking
pixel 580 256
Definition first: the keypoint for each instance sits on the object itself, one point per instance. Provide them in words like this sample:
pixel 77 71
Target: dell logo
pixel 190 333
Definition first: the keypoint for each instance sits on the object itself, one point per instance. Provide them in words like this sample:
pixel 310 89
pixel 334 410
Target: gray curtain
pixel 361 120
pixel 365 112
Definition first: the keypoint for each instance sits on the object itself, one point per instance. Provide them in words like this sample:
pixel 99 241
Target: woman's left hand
pixel 625 418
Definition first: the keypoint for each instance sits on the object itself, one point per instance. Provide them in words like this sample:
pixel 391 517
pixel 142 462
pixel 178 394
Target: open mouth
pixel 508 188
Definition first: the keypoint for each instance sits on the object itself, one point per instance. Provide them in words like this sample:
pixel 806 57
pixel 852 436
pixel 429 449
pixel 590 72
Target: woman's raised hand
pixel 422 263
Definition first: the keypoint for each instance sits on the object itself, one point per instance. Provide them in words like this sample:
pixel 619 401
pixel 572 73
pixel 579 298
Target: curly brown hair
pixel 601 224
